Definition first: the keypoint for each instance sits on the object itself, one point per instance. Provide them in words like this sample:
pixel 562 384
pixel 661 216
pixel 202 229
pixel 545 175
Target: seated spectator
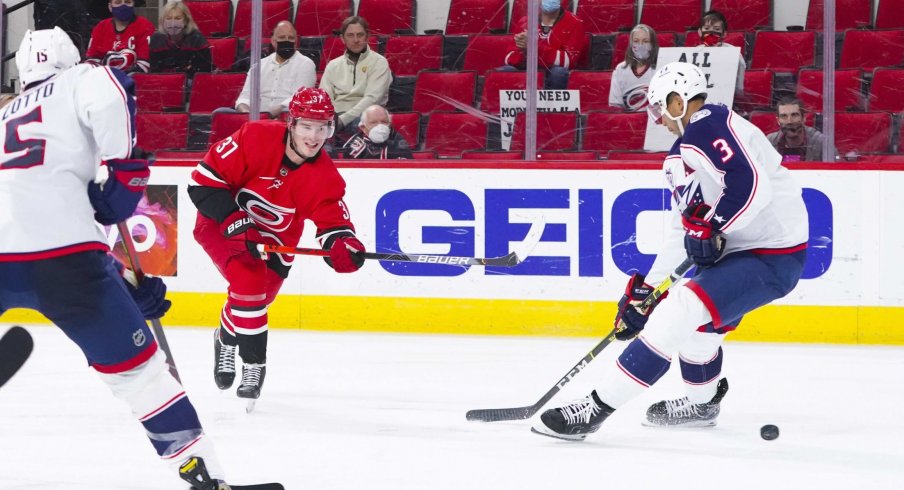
pixel 561 43
pixel 282 73
pixel 376 139
pixel 712 32
pixel 178 45
pixel 359 78
pixel 795 141
pixel 122 41
pixel 630 79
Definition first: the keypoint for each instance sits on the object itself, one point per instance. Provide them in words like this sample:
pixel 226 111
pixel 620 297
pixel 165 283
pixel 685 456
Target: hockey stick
pixel 521 413
pixel 512 259
pixel 15 347
pixel 126 238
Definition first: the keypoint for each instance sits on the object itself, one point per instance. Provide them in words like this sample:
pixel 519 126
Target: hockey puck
pixel 769 432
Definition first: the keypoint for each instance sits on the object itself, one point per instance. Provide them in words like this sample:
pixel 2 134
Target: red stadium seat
pixel 321 17
pixel 862 132
pixel 848 90
pixel 672 15
pixel 223 52
pixel 606 131
pixel 223 124
pixel 161 131
pixel 734 38
pixel 745 15
pixel 594 87
pixel 502 80
pixel 476 17
pixel 757 90
pixel 214 90
pixel 849 14
pixel 408 124
pixel 606 16
pixel 784 51
pixel 387 17
pixel 155 92
pixel 407 55
pixel 492 155
pixel 432 89
pixel 333 47
pixel 212 17
pixel 886 92
pixel 890 15
pixel 451 133
pixel 486 53
pixel 273 12
pixel 556 131
pixel 872 49
pixel 623 39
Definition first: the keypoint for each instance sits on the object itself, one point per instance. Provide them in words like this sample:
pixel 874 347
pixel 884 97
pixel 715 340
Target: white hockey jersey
pixel 54 136
pixel 727 162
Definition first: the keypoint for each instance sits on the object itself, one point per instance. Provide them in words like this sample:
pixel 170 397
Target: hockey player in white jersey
pixel 53 257
pixel 739 215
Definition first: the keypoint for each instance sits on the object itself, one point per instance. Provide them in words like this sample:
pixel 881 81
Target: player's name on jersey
pixel 27 99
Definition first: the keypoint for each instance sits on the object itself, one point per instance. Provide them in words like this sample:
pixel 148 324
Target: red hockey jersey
pixel 562 46
pixel 128 50
pixel 278 195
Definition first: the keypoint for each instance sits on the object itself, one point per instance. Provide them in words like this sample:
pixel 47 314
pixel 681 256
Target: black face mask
pixel 285 49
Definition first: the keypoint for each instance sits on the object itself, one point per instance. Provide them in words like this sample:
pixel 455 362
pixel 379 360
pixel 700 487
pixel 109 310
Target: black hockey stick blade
pixel 501 414
pixel 509 260
pixel 259 486
pixel 15 347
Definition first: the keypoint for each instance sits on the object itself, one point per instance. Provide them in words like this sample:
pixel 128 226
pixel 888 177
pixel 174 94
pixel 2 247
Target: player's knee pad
pixel 700 373
pixel 643 363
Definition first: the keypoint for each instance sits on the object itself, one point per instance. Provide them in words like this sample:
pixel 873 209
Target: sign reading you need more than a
pixel 511 102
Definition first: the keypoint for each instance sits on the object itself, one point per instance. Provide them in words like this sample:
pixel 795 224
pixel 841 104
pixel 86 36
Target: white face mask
pixel 379 133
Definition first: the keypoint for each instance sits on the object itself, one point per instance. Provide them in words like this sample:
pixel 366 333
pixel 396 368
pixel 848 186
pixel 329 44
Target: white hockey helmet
pixel 45 53
pixel 684 79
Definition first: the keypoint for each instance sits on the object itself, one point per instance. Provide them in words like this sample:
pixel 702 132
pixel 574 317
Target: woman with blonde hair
pixel 630 79
pixel 178 45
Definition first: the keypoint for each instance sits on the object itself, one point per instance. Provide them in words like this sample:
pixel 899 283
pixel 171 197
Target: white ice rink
pixel 355 411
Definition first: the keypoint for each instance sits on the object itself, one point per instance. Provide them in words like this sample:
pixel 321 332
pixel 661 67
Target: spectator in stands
pixel 796 141
pixel 359 78
pixel 375 138
pixel 122 41
pixel 282 73
pixel 712 33
pixel 178 45
pixel 630 79
pixel 561 44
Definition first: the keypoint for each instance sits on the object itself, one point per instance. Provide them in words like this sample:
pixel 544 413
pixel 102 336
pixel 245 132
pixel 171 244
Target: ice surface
pixel 374 411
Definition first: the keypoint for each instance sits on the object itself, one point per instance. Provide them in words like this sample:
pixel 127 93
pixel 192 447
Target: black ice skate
pixel 683 413
pixel 573 422
pixel 252 382
pixel 194 471
pixel 223 362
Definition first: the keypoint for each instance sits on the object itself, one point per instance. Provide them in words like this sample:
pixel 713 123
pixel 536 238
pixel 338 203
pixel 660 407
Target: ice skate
pixel 252 382
pixel 683 413
pixel 194 471
pixel 574 421
pixel 223 362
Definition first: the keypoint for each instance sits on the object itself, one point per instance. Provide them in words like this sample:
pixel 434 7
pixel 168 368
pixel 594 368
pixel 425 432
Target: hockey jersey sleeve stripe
pixel 126 88
pixel 208 176
pixel 327 237
pixel 753 173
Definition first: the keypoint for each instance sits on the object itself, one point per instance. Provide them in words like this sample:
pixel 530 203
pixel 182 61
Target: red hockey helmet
pixel 311 103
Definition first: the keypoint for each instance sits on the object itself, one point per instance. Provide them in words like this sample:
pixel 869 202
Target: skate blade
pixel 543 431
pixel 249 407
pixel 689 425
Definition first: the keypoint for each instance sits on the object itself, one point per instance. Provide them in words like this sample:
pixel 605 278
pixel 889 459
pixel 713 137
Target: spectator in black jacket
pixel 375 138
pixel 178 45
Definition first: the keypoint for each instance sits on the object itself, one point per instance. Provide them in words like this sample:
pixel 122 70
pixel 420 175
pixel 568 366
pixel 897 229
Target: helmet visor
pixel 312 128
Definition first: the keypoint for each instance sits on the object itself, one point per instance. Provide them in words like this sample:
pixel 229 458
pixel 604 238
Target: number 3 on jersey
pixel 33 148
pixel 722 145
pixel 226 147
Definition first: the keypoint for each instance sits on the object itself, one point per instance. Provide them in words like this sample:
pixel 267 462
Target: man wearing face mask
pixel 282 73
pixel 375 139
pixel 178 45
pixel 795 141
pixel 560 45
pixel 122 41
pixel 712 33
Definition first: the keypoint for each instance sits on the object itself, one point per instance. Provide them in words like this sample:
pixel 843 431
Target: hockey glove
pixel 630 321
pixel 150 295
pixel 115 199
pixel 242 234
pixel 344 254
pixel 703 244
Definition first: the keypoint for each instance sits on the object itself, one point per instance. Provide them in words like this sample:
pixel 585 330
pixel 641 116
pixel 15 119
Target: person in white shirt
pixel 282 73
pixel 630 79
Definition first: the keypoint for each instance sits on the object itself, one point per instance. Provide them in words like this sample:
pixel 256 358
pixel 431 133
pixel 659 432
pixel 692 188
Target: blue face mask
pixel 549 6
pixel 123 12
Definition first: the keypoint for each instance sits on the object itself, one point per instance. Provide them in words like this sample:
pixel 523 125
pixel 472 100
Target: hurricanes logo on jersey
pixel 271 216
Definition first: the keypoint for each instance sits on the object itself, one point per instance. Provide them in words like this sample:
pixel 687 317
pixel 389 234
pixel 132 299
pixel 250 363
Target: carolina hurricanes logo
pixel 636 98
pixel 271 216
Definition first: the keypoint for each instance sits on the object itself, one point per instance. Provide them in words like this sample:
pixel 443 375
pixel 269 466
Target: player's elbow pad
pixel 116 199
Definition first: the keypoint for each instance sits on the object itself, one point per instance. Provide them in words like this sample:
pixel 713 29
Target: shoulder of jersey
pixel 704 121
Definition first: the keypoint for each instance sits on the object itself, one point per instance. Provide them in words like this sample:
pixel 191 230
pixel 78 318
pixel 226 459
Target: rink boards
pixel 602 222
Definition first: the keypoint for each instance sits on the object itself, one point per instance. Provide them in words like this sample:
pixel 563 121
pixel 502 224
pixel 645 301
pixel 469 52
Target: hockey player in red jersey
pixel 122 41
pixel 258 186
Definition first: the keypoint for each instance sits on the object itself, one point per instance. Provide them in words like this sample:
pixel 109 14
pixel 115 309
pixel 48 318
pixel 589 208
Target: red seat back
pixel 862 132
pixel 161 131
pixel 155 92
pixel 321 17
pixel 385 17
pixel 615 131
pixel 408 124
pixel 211 91
pixel 886 92
pixel 502 80
pixel 784 51
pixel 451 133
pixel 745 15
pixel 890 14
pixel 848 90
pixel 433 89
pixel 407 55
pixel 274 11
pixel 594 87
pixel 476 16
pixel 672 15
pixel 606 16
pixel 223 52
pixel 223 124
pixel 212 17
pixel 757 90
pixel 872 49
pixel 555 131
pixel 486 53
pixel 849 14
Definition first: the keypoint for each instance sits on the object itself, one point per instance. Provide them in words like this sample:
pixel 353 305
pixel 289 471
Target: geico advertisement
pixel 599 227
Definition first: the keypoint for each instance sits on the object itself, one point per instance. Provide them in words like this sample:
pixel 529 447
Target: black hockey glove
pixel 630 321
